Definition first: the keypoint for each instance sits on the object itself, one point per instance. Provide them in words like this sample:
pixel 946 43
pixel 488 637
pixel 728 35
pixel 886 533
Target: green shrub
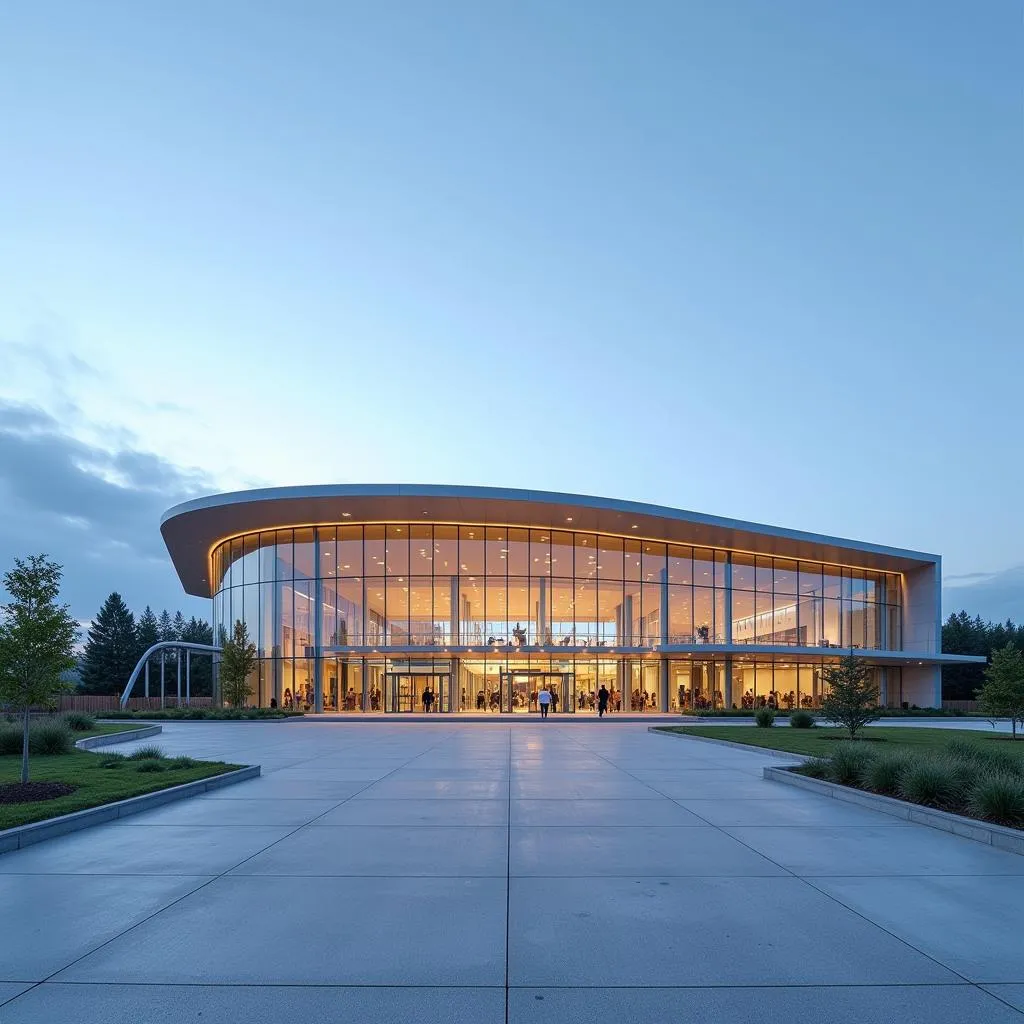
pixel 10 739
pixel 764 717
pixel 883 772
pixel 182 762
pixel 150 764
pixel 49 738
pixel 79 721
pixel 817 768
pixel 933 781
pixel 113 760
pixel 147 752
pixel 998 797
pixel 848 763
pixel 801 720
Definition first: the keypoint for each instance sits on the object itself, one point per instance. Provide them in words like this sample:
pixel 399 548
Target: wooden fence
pixel 110 702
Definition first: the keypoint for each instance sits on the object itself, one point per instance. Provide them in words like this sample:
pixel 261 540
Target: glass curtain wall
pixel 310 591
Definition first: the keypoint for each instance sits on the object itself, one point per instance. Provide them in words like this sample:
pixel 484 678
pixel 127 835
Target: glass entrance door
pixel 519 690
pixel 406 692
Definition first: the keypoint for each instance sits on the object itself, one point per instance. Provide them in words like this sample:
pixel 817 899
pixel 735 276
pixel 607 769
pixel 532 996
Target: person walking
pixel 544 699
pixel 428 698
pixel 602 701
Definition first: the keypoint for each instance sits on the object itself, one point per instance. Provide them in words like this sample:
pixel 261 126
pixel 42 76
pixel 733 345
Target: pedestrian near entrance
pixel 428 699
pixel 544 700
pixel 602 701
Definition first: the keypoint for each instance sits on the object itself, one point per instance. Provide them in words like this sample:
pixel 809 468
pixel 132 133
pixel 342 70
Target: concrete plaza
pixel 528 872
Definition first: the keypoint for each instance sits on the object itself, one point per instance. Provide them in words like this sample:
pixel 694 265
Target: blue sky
pixel 755 259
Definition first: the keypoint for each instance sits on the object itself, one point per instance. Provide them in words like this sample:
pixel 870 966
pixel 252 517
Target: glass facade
pixel 417 616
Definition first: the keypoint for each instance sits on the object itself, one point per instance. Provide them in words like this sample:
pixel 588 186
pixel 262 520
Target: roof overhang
pixel 192 530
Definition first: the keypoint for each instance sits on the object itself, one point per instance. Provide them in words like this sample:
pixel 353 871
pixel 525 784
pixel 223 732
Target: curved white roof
pixel 192 529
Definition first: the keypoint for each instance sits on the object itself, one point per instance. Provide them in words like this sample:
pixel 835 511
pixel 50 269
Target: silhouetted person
pixel 602 701
pixel 428 699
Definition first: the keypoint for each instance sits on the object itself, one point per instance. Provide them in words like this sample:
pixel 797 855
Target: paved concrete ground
pixel 483 873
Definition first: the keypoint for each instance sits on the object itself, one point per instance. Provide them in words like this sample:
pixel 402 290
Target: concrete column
pixel 453 613
pixel 727 683
pixel 542 612
pixel 663 696
pixel 177 673
pixel 162 678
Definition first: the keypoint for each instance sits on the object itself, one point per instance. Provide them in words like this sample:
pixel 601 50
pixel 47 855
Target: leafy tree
pixel 1002 696
pixel 238 661
pixel 37 639
pixel 111 648
pixel 852 698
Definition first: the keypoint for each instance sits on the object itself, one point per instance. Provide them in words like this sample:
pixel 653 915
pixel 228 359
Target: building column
pixel 727 683
pixel 663 617
pixel 663 696
pixel 453 610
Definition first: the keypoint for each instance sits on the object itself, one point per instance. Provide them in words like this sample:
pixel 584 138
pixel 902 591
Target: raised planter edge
pixel 999 836
pixel 20 836
pixel 119 737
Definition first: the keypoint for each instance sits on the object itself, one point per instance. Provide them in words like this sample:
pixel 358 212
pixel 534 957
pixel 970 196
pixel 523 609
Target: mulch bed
pixel 30 792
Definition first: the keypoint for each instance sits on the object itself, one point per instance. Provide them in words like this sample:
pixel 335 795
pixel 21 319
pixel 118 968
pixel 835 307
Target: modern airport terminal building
pixel 369 599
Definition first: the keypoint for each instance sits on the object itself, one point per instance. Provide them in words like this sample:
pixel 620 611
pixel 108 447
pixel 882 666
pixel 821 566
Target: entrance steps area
pixel 532 718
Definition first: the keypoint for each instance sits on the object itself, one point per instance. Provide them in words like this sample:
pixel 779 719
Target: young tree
pixel 1002 696
pixel 111 648
pixel 37 639
pixel 852 698
pixel 237 662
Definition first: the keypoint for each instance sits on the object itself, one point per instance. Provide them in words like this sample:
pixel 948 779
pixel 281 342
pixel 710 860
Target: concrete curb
pixel 39 831
pixel 749 748
pixel 118 737
pixel 1009 839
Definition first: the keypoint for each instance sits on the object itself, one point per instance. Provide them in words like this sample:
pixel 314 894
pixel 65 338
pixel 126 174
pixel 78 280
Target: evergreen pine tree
pixel 111 648
pixel 147 631
pixel 196 631
pixel 178 625
pixel 166 626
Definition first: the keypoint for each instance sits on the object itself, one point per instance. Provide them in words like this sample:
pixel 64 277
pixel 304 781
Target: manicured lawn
pixel 96 785
pixel 822 741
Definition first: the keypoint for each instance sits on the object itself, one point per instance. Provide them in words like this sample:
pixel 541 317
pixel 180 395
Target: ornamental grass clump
pixel 882 773
pixel 934 782
pixel 986 757
pixel 10 739
pixel 801 720
pixel 817 768
pixel 848 763
pixel 182 762
pixel 764 718
pixel 998 797
pixel 147 752
pixel 50 738
pixel 150 764
pixel 80 721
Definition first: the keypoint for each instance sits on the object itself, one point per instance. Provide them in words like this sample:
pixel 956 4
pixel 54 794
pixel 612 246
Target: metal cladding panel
pixel 191 530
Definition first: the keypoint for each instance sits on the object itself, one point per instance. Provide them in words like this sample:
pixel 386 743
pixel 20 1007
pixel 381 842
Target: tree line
pixel 116 640
pixel 962 634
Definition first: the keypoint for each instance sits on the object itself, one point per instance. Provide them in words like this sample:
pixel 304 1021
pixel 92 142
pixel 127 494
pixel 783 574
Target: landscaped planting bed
pixel 205 714
pixel 63 779
pixel 967 778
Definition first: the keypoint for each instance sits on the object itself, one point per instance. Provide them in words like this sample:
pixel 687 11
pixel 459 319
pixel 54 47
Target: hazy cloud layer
pixel 996 596
pixel 96 509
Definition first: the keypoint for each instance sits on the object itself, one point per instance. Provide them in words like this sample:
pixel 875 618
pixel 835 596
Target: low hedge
pixel 205 714
pixel 963 777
